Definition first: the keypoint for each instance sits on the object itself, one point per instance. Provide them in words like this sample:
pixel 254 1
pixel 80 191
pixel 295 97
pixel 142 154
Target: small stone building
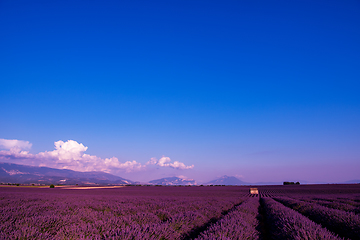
pixel 254 191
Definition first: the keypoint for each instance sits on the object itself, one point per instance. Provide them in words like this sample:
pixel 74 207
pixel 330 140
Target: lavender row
pixel 285 223
pixel 93 217
pixel 337 205
pixel 341 203
pixel 346 224
pixel 240 223
pixel 351 199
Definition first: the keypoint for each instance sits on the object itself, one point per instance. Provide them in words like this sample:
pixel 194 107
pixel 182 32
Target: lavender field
pixel 197 212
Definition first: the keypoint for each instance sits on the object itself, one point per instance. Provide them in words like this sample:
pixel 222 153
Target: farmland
pixel 197 212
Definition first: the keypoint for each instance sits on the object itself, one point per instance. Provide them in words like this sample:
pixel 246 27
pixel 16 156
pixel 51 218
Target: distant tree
pixel 52 186
pixel 291 183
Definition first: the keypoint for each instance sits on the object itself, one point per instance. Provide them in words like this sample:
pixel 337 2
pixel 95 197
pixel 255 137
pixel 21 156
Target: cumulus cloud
pixel 166 162
pixel 163 162
pixel 71 155
pixel 152 161
pixel 67 155
pixel 66 152
pixel 14 144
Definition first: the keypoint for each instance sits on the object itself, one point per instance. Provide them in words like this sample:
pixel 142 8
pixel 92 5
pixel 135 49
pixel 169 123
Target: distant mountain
pixel 14 173
pixel 173 181
pixel 353 181
pixel 227 180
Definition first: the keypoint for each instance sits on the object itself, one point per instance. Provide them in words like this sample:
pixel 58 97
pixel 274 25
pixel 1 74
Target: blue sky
pixel 266 91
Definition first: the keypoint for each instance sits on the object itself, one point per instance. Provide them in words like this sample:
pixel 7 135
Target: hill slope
pixel 227 180
pixel 173 181
pixel 14 173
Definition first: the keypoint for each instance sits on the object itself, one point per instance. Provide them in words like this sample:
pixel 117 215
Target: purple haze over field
pixel 266 92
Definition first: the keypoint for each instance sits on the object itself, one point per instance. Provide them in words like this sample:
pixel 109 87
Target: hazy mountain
pixel 173 181
pixel 227 180
pixel 14 173
pixel 353 181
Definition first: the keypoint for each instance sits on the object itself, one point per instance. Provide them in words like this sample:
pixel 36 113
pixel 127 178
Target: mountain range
pixel 15 173
pixel 353 181
pixel 227 180
pixel 173 181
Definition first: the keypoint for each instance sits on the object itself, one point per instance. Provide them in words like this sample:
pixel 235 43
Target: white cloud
pixel 67 155
pixel 163 162
pixel 180 165
pixel 14 144
pixel 166 162
pixel 67 152
pixel 71 155
pixel 152 161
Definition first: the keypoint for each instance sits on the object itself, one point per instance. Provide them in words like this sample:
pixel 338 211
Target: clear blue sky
pixel 265 90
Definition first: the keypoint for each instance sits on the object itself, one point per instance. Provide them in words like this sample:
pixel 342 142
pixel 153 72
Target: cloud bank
pixel 70 155
pixel 14 144
pixel 166 162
